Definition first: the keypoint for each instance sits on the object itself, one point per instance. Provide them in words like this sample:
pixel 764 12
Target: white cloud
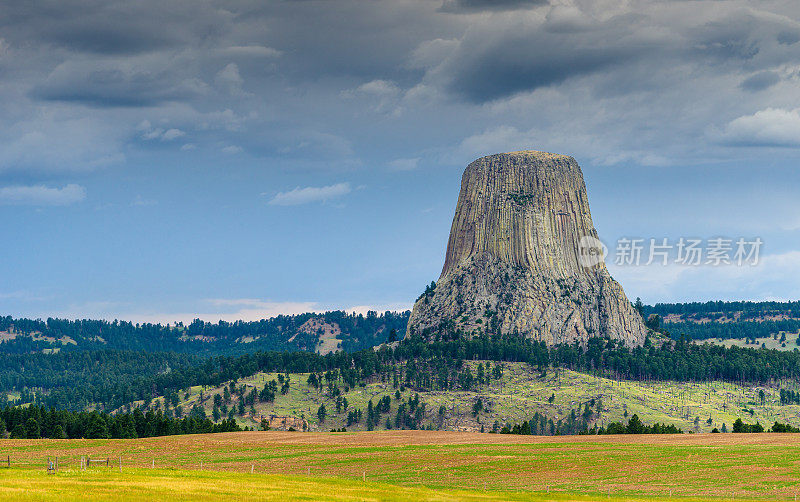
pixel 149 133
pixel 213 310
pixel 152 134
pixel 54 141
pixel 769 127
pixel 679 283
pixel 141 201
pixel 379 88
pixel 171 134
pixel 495 140
pixel 245 309
pixel 392 307
pixel 225 119
pixel 230 80
pixel 40 195
pixel 232 149
pixel 404 164
pixel 505 138
pixel 430 53
pixel 251 50
pixel 310 194
pixel 385 95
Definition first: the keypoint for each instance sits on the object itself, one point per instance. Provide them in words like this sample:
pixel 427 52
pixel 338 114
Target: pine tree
pixel 32 429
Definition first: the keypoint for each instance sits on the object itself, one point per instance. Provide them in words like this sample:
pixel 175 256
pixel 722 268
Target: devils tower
pixel 517 259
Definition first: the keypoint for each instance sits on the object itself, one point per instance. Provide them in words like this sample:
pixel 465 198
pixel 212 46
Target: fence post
pixel 120 463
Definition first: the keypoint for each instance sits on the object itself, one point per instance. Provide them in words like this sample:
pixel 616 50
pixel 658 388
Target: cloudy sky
pixel 165 159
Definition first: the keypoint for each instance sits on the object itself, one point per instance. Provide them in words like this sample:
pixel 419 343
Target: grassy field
pixel 160 484
pixel 521 392
pixel 405 465
pixel 770 342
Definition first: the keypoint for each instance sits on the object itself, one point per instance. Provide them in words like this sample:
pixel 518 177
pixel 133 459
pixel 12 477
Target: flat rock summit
pixel 520 259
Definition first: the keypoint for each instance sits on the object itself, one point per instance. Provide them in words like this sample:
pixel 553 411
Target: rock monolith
pixel 523 257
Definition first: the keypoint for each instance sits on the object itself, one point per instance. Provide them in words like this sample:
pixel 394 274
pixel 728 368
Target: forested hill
pixel 338 330
pixel 310 332
pixel 715 310
pixel 725 320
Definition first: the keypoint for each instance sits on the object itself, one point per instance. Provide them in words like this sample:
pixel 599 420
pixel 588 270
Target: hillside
pixel 484 382
pixel 520 394
pixel 750 321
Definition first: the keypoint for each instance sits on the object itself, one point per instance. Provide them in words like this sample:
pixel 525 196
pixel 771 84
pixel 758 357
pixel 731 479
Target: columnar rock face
pixel 517 258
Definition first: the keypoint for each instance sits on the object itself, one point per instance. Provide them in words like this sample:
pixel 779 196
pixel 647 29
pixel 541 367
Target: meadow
pixel 769 342
pixel 402 465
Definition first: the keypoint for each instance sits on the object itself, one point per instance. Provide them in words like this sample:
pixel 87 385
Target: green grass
pixel 409 465
pixel 163 484
pixel 170 484
pixel 770 342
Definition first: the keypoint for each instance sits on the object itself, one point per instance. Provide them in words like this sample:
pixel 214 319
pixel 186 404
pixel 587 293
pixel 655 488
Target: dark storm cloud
pixel 346 39
pixel 726 39
pixel 469 6
pixel 628 52
pixel 107 85
pixel 100 38
pixel 111 27
pixel 760 81
pixel 788 37
pixel 502 71
pixel 490 65
pixel 328 68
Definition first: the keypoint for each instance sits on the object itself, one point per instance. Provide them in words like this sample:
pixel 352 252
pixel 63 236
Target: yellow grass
pixel 408 465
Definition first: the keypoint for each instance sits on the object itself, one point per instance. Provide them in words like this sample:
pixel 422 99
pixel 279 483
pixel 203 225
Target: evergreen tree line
pixel 358 332
pixel 747 308
pixel 110 379
pixel 789 396
pixel 34 422
pixel 76 380
pixel 679 360
pixel 726 330
pixel 578 423
pixel 739 426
